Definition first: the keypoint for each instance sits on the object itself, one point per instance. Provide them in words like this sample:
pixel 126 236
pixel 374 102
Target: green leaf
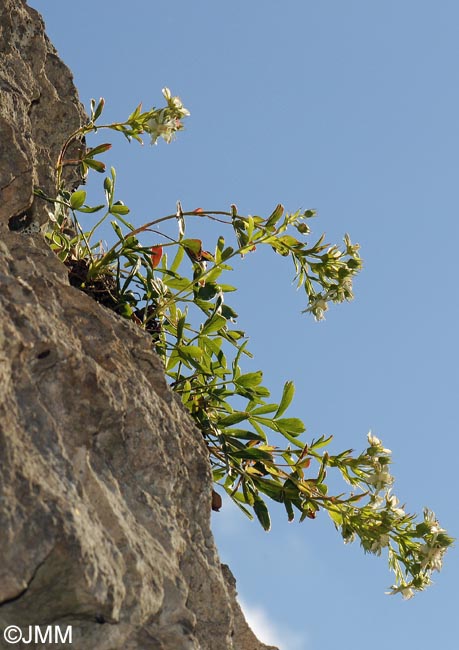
pixel 101 148
pixel 195 245
pixel 336 517
pixel 289 509
pixel 237 498
pixel 289 241
pixel 96 208
pixel 250 379
pixel 250 227
pixel 228 312
pixel 275 216
pixel 287 396
pixel 236 335
pixel 180 326
pixel 214 345
pixel 227 253
pixel 262 410
pixel 177 259
pixel 218 249
pixel 177 282
pixel 321 442
pixel 119 208
pixel 173 360
pixel 208 291
pixel 273 489
pixel 258 429
pixel 135 113
pixel 252 453
pixel 77 199
pixel 280 248
pixel 190 351
pixel 234 418
pixel 117 229
pixel 293 439
pixel 244 434
pixel 108 188
pixel 262 513
pixel 100 107
pixel 265 422
pixel 213 324
pixel 95 164
pixel 259 391
pixel 293 426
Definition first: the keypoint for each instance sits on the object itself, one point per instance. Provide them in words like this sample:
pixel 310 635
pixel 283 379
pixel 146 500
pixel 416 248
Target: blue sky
pixel 350 108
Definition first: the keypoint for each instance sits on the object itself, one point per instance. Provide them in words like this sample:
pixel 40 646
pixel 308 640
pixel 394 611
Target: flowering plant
pixel 172 288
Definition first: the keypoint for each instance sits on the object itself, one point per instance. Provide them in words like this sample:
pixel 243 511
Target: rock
pixel 39 108
pixel 105 486
pixel 243 635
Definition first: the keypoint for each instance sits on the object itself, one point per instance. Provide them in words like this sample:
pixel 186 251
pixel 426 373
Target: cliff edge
pixel 105 487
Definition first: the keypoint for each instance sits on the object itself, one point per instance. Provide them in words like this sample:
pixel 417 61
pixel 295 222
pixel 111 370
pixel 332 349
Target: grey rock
pixel 39 108
pixel 105 486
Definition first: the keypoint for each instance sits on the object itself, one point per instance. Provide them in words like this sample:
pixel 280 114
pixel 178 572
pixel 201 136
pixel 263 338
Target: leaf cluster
pixel 177 291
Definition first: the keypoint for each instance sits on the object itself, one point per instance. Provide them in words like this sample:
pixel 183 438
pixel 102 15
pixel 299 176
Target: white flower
pixel 376 442
pixel 381 477
pixel 351 249
pixel 162 129
pixel 373 440
pixel 433 557
pixel 334 252
pixel 175 103
pixel 341 291
pixel 376 502
pixel 406 591
pixel 165 123
pixel 318 306
pixel 347 285
pixel 392 504
pixel 431 521
pixel 379 544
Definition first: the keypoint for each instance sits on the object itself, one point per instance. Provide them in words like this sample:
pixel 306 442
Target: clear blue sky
pixel 350 108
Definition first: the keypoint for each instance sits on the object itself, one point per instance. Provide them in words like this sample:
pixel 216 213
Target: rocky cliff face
pixel 105 485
